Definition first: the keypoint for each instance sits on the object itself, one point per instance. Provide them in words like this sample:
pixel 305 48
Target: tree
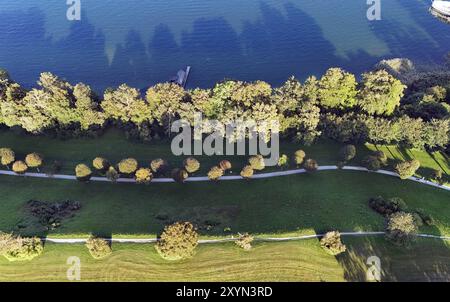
pixel 401 228
pixel 87 108
pixel 4 75
pixel 215 173
pixel 311 165
pixel 191 165
pixel 83 172
pixel 7 156
pixel 382 157
pixel 331 242
pixel 407 169
pixel 283 161
pixel 372 163
pixel 98 248
pixel 178 241
pixel 128 166
pixel 125 104
pixel 34 160
pixel 112 174
pixel 247 172
pixel 380 93
pixel 17 248
pixel 101 164
pixel 159 166
pixel 337 89
pixel 347 153
pixel 299 157
pixel 225 165
pixel 19 167
pixel 144 176
pixel 180 175
pixel 257 162
pixel 245 241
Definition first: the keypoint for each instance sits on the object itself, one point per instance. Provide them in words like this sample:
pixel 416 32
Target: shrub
pixel 332 244
pixel 299 157
pixel 191 165
pixel 159 166
pixel 387 207
pixel 245 241
pixel 372 163
pixel 347 153
pixel 144 176
pixel 34 160
pixel 401 228
pixel 83 172
pixel 180 175
pixel 257 162
pixel 7 156
pixel 437 176
pixel 178 241
pixel 128 166
pixel 16 248
pixel 247 172
pixel 19 167
pixel 283 161
pixel 215 173
pixel 98 248
pixel 407 169
pixel 100 164
pixel 225 165
pixel 112 174
pixel 311 165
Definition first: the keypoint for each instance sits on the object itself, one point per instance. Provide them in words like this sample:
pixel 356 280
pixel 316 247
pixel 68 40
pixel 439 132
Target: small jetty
pixel 182 77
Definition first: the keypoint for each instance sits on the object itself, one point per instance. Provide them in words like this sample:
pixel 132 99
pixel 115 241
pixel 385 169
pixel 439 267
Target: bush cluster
pixel 245 241
pixel 17 248
pixel 178 241
pixel 332 244
pixel 98 247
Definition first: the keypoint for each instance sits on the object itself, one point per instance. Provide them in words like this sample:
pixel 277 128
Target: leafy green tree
pixel 19 167
pixel 401 228
pixel 407 169
pixel 4 75
pixel 128 166
pixel 83 172
pixel 372 163
pixel 245 241
pixel 112 174
pixel 215 173
pixel 7 156
pixel 17 248
pixel 159 166
pixel 191 165
pixel 101 164
pixel 380 93
pixel 257 162
pixel 337 89
pixel 299 157
pixel 178 241
pixel 311 165
pixel 87 108
pixel 125 104
pixel 98 247
pixel 144 176
pixel 34 160
pixel 283 161
pixel 247 172
pixel 331 242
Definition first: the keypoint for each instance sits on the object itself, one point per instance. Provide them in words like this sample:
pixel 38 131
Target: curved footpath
pixel 235 177
pixel 280 239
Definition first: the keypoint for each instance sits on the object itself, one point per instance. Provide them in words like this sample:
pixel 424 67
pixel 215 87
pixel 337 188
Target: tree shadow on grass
pixel 427 259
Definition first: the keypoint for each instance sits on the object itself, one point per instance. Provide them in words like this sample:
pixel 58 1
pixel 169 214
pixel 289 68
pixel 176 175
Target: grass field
pixel 427 260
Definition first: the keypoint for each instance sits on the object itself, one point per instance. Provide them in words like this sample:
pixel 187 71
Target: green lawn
pixel 427 260
pixel 300 204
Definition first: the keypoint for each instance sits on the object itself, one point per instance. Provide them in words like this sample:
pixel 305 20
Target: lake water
pixel 141 42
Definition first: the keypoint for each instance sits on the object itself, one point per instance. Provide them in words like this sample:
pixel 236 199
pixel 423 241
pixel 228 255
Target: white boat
pixel 442 7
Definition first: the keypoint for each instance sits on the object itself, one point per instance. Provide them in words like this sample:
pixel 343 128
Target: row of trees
pixel 57 104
